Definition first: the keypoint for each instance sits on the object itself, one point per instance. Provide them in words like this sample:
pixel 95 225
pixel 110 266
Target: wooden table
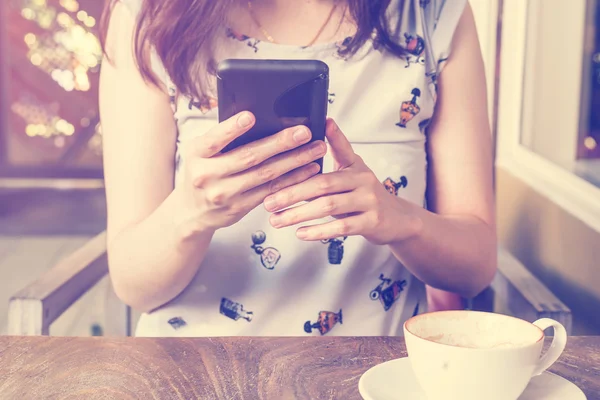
pixel 232 368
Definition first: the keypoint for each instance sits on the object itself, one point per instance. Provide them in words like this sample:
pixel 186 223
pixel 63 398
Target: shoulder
pixel 426 28
pixel 441 10
pixel 134 6
pixel 434 20
pixel 128 13
pixel 441 19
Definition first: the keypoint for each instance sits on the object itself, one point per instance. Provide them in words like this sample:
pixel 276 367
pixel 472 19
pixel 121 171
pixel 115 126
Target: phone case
pixel 280 93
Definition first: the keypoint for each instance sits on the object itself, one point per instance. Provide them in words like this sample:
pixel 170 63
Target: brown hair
pixel 171 28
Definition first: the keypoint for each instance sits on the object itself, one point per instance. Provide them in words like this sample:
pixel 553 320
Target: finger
pixel 322 185
pixel 270 170
pixel 255 153
pixel 299 175
pixel 277 166
pixel 348 226
pixel 337 204
pixel 256 196
pixel 341 149
pixel 224 133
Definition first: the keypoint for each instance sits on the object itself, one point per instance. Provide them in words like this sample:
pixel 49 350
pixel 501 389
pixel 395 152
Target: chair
pixel 514 291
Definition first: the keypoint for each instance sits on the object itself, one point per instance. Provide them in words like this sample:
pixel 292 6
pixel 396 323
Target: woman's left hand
pixel 352 194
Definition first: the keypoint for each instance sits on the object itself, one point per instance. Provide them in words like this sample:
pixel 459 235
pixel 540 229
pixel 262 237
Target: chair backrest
pixel 34 308
pixel 516 291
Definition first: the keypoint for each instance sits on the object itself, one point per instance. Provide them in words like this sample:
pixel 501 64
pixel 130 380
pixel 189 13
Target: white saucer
pixel 395 379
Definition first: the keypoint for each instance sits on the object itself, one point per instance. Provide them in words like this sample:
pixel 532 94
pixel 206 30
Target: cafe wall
pixel 548 159
pixel 562 251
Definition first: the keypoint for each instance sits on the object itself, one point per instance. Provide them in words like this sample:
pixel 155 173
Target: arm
pixel 158 235
pixel 150 259
pixel 452 248
pixel 455 249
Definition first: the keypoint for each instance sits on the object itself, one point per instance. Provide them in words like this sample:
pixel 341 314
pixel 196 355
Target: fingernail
pixel 301 135
pixel 244 120
pixel 270 203
pixel 331 124
pixel 301 234
pixel 318 150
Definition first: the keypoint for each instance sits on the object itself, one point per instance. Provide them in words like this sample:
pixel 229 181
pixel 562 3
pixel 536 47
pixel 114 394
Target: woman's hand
pixel 352 194
pixel 219 189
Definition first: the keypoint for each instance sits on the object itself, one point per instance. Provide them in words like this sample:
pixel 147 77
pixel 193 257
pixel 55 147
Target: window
pixel 549 101
pixel 49 85
pixel 589 143
pixel 560 85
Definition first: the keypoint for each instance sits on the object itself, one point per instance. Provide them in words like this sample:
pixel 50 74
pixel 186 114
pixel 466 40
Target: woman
pixel 198 240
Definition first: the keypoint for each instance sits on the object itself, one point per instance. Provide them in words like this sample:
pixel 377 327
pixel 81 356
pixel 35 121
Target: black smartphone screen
pixel 280 93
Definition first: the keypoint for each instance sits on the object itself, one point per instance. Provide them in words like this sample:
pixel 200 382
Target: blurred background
pixel 51 195
pixel 51 58
pixel 543 68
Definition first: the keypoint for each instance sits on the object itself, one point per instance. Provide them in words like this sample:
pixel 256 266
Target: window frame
pixel 572 193
pixel 26 176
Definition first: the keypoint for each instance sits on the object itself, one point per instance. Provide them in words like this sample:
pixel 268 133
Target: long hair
pixel 183 35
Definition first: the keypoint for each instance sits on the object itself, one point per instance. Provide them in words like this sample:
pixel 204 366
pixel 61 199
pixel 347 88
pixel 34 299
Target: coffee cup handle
pixel 556 348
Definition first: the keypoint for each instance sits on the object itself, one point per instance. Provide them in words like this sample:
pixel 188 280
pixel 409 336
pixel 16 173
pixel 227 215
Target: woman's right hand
pixel 219 189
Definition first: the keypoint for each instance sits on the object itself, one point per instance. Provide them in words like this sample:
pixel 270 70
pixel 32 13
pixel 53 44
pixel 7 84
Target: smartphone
pixel 280 94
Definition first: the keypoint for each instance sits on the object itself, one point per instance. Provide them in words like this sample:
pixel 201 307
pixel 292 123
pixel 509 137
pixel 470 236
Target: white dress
pixel 259 281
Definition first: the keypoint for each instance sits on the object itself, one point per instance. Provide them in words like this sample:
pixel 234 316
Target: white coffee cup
pixel 470 355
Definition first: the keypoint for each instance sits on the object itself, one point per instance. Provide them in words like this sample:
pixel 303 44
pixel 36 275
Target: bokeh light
pixel 61 40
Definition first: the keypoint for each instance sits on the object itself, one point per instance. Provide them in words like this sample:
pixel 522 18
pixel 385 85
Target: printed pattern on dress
pixel 342 48
pixel 177 323
pixel 269 256
pixel 409 109
pixel 415 47
pixel 177 162
pixel 234 310
pixel 172 91
pixel 416 312
pixel 250 42
pixel 331 98
pixel 387 292
pixel 325 322
pixel 335 250
pixel 392 187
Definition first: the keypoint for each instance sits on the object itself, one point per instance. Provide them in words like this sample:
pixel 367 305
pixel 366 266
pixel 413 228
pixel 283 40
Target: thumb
pixel 341 149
